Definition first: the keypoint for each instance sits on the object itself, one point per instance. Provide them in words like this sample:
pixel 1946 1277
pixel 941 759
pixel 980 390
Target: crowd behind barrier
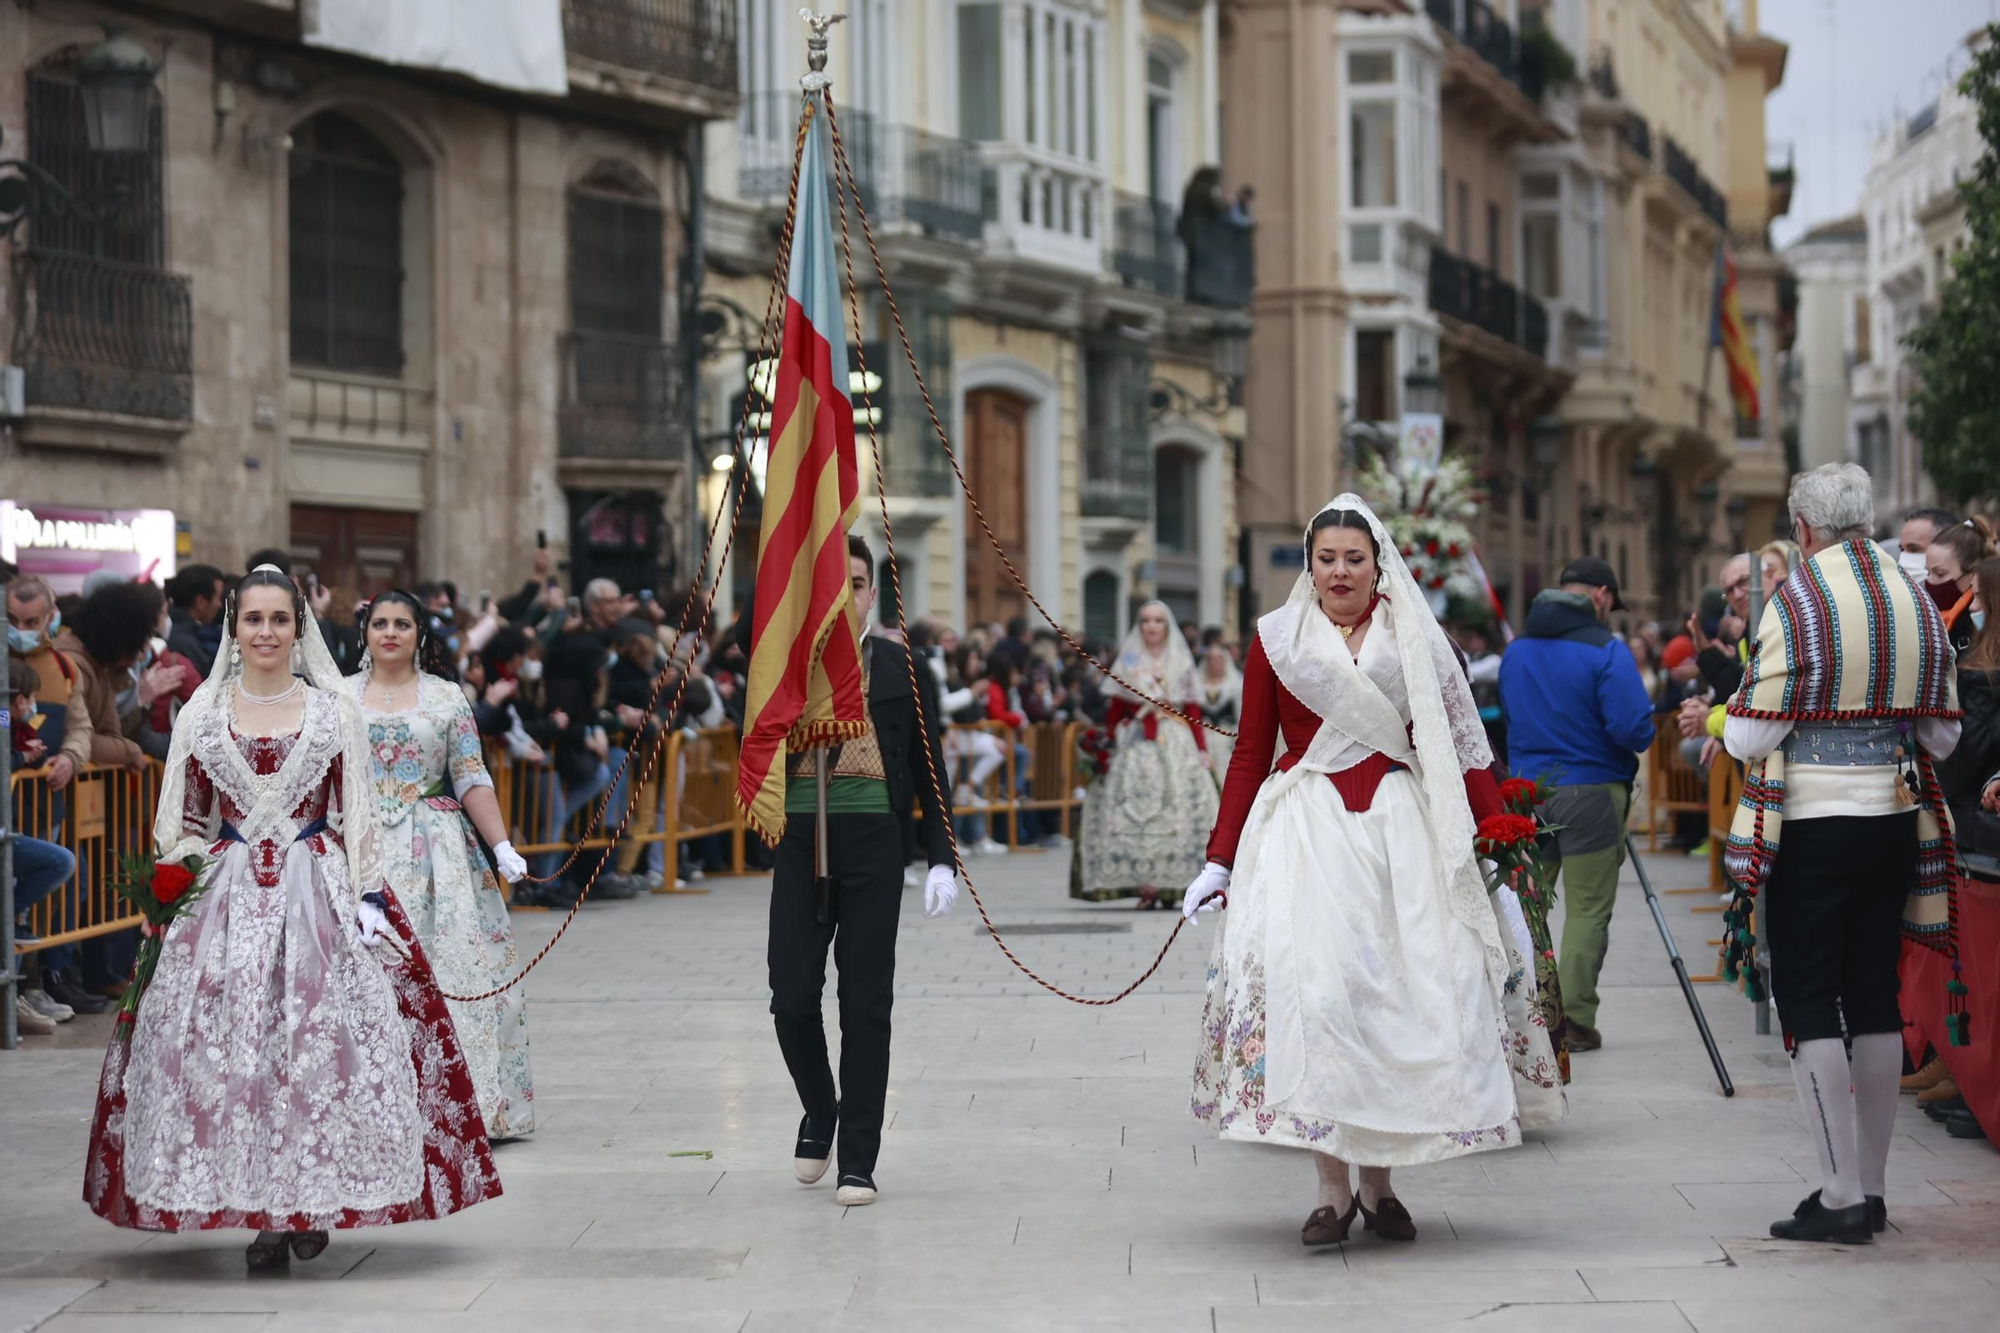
pixel 106 813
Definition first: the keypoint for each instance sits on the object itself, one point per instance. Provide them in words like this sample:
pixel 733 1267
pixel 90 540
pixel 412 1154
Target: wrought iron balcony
pixel 1221 264
pixel 1682 171
pixel 690 40
pixel 1473 295
pixel 1484 32
pixel 1117 437
pixel 102 336
pixel 1147 254
pixel 930 182
pixel 621 398
pixel 1638 134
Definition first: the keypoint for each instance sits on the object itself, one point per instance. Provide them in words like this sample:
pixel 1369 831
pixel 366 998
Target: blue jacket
pixel 1576 710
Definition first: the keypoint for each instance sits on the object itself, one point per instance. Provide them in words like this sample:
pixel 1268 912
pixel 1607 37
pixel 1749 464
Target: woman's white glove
pixel 376 932
pixel 940 890
pixel 1200 896
pixel 513 866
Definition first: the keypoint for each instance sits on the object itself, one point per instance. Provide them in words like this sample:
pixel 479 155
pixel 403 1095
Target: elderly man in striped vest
pixel 1848 698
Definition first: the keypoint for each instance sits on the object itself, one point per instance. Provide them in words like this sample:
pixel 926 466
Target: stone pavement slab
pixel 1039 1170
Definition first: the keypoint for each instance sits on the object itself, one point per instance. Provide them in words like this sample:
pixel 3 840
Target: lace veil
pixel 211 710
pixel 1168 676
pixel 1445 729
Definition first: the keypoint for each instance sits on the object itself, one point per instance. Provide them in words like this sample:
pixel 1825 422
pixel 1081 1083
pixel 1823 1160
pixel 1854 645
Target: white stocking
pixel 1374 1186
pixel 1878 1067
pixel 1334 1191
pixel 1820 1072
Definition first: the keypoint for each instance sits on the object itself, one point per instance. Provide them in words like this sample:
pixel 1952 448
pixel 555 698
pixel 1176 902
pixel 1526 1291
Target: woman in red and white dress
pixel 1368 998
pixel 292 1067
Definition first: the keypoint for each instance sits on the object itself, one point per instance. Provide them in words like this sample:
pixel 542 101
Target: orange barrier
pixel 103 815
pixel 1050 770
pixel 1672 786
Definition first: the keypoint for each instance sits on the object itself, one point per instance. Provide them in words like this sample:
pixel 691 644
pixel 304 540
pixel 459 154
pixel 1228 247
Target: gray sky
pixel 1854 64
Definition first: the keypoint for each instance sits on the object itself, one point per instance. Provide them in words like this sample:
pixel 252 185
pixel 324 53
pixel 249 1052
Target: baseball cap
pixel 1589 570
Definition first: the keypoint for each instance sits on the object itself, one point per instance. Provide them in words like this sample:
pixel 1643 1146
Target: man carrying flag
pixel 816 684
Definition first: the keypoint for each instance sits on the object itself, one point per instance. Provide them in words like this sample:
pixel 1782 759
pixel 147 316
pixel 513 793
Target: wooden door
pixel 365 551
pixel 997 430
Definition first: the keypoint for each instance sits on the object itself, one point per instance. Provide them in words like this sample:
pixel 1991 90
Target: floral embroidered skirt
pixel 283 1076
pixel 1146 822
pixel 1348 1009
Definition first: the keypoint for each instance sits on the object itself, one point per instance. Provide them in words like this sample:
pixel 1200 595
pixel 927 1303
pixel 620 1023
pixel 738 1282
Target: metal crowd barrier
pixel 104 814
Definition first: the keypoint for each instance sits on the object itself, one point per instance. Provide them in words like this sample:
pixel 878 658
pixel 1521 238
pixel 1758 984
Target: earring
pixel 367 661
pixel 298 658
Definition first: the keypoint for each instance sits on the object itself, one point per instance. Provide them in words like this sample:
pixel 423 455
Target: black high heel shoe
pixel 269 1252
pixel 309 1244
pixel 1324 1226
pixel 1390 1220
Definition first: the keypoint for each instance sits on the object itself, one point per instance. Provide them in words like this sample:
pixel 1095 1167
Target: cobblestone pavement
pixel 1039 1171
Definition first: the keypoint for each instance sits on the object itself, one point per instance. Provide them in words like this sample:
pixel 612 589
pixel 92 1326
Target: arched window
pixel 59 143
pixel 346 235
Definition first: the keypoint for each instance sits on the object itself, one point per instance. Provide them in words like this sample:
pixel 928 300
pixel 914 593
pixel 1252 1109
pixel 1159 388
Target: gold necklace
pixel 1346 631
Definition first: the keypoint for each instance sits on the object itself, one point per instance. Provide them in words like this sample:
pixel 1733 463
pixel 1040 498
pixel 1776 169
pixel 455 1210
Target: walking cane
pixel 1680 969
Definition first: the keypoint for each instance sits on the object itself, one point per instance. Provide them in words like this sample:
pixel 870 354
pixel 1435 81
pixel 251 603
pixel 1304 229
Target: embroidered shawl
pixel 1848 637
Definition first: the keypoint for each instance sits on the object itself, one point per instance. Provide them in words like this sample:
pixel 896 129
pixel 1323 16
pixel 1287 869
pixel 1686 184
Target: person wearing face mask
pixel 1913 541
pixel 33 623
pixel 1949 562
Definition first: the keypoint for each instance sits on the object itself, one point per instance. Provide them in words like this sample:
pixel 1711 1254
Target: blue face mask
pixel 23 641
pixel 1979 620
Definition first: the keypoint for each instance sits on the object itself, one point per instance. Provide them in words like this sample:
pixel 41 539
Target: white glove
pixel 513 867
pixel 1200 896
pixel 940 890
pixel 376 932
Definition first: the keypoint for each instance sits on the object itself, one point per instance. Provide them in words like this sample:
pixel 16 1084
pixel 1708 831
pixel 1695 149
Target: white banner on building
pixel 1423 437
pixel 508 43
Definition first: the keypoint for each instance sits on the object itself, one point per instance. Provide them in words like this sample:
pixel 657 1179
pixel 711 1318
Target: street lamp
pixel 1738 509
pixel 1545 444
pixel 115 81
pixel 1645 483
pixel 1705 497
pixel 1423 391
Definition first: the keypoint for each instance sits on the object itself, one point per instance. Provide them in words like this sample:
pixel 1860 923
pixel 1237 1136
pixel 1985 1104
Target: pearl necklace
pixel 267 699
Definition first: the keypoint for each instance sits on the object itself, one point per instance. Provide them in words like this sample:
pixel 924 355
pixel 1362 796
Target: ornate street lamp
pixel 1545 444
pixel 115 81
pixel 1705 497
pixel 1645 483
pixel 1737 508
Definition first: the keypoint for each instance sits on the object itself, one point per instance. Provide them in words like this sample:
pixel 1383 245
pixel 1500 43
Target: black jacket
pixel 184 637
pixel 894 711
pixel 1963 774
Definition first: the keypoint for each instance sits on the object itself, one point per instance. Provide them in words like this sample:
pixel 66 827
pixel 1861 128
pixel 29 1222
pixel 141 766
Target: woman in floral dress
pixel 1144 820
pixel 431 792
pixel 292 1067
pixel 1369 1000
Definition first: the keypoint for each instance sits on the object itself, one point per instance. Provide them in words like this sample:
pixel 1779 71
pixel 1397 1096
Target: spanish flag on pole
pixel 1726 330
pixel 805 659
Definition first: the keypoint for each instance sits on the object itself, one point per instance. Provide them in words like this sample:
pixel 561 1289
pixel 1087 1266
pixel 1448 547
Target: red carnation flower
pixel 1498 832
pixel 1431 547
pixel 1453 551
pixel 170 882
pixel 1438 582
pixel 1516 792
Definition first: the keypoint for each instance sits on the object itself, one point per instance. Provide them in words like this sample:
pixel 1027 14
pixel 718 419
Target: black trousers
pixel 1833 913
pixel 866 858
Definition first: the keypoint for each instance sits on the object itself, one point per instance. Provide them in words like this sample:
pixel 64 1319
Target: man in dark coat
pixel 873 783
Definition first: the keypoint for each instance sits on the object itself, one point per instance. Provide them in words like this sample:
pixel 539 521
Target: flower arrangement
pixel 158 892
pixel 1093 752
pixel 1524 859
pixel 1427 511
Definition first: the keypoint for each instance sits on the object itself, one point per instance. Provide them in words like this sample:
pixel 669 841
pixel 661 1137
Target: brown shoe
pixel 1944 1090
pixel 1581 1038
pixel 1327 1227
pixel 1925 1078
pixel 1390 1220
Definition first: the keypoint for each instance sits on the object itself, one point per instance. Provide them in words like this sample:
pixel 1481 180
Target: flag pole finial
pixel 816 48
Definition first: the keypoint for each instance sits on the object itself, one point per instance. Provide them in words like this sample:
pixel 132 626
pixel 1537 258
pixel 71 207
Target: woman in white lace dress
pixel 1144 820
pixel 1368 1000
pixel 1221 700
pixel 292 1067
pixel 431 793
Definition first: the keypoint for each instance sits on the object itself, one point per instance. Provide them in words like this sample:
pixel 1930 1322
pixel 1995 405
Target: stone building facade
pixel 394 319
pixel 1075 294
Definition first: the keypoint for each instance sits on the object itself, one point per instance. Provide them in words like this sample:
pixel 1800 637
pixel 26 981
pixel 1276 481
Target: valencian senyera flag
pixel 805 660
pixel 1726 330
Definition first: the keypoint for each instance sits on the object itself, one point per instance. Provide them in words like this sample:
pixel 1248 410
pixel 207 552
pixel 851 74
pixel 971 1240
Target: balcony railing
pixel 621 397
pixel 903 174
pixel 691 40
pixel 1638 134
pixel 1148 250
pixel 101 336
pixel 1117 446
pixel 1485 300
pixel 1484 32
pixel 1045 207
pixel 1682 171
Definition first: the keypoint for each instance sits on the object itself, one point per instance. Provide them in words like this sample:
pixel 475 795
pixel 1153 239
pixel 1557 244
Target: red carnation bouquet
pixel 158 891
pixel 1093 752
pixel 1524 860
